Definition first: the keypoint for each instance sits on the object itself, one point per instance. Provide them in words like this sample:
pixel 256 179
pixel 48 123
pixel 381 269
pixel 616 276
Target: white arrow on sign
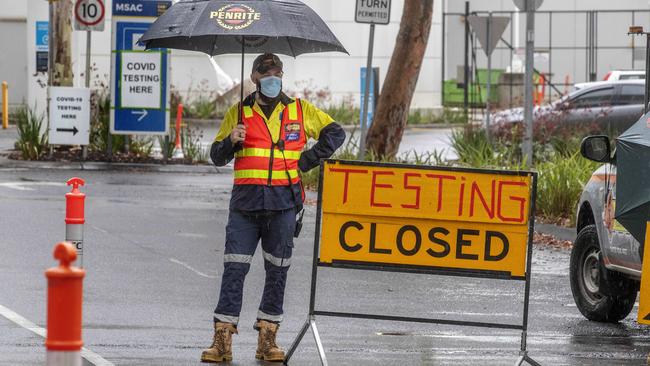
pixel 143 113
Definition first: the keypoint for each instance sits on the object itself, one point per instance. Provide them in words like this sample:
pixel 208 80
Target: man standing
pixel 266 197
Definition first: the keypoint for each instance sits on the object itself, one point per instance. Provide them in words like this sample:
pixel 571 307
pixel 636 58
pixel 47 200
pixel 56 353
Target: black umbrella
pixel 633 178
pixel 217 27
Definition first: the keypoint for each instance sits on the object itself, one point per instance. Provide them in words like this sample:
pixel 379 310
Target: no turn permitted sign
pixel 372 11
pixel 89 15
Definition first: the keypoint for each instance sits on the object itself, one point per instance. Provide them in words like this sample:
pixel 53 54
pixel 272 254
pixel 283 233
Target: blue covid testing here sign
pixel 139 78
pixel 42 35
pixel 372 97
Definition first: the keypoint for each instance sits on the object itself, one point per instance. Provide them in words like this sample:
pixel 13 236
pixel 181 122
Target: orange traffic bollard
pixel 64 300
pixel 178 148
pixel 74 216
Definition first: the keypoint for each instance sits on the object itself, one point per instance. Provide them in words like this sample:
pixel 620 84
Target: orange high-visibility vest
pixel 261 161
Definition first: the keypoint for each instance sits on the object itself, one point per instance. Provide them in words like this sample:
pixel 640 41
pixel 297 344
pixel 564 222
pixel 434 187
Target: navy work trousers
pixel 243 233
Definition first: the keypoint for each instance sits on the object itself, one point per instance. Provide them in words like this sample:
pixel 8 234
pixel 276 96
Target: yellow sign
pixel 423 217
pixel 644 291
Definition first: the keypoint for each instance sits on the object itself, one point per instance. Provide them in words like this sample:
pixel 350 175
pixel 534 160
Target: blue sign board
pixel 139 78
pixel 140 8
pixel 372 101
pixel 42 36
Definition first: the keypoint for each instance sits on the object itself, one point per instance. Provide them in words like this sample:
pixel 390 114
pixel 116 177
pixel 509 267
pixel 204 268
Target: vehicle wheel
pixel 586 279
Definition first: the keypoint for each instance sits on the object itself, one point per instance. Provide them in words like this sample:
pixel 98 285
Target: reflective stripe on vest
pixel 253 151
pixel 260 161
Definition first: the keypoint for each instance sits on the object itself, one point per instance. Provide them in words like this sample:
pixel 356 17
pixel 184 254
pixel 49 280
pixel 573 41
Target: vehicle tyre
pixel 585 280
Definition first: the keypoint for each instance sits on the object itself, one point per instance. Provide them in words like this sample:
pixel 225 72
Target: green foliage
pixel 436 158
pixel 31 140
pixel 561 180
pixel 191 143
pixel 100 105
pixel 475 150
pixel 344 114
pixel 562 170
pixel 141 146
pixel 418 117
pixel 450 116
pixel 424 116
pixel 166 147
pixel 203 108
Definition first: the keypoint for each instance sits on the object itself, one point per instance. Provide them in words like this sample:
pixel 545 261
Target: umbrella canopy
pixel 633 178
pixel 217 27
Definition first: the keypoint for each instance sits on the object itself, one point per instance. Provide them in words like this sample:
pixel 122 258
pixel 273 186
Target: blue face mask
pixel 270 86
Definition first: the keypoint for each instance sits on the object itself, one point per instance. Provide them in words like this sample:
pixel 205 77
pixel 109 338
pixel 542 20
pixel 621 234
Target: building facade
pixel 565 33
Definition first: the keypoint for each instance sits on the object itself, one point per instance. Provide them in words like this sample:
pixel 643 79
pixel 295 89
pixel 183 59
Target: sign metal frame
pixel 310 323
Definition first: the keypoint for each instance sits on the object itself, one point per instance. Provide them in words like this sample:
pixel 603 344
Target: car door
pixel 627 107
pixel 623 249
pixel 590 109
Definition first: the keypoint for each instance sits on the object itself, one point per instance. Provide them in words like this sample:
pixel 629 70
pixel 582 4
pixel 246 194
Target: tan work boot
pixel 267 349
pixel 221 349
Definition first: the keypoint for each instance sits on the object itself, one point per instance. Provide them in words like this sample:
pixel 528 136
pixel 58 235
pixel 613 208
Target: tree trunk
pixel 62 75
pixel 385 134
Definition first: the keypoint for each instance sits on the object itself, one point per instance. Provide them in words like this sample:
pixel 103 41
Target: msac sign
pixel 125 7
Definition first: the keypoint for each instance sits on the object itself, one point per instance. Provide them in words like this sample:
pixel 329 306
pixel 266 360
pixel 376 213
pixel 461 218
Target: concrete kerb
pixel 7 163
pixel 559 232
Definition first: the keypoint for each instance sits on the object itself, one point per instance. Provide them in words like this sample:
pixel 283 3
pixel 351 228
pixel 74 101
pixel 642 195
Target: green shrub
pixel 141 146
pixel 100 105
pixel 191 143
pixel 417 116
pixel 561 180
pixel 32 141
pixel 450 116
pixel 166 147
pixel 344 113
pixel 203 108
pixel 475 150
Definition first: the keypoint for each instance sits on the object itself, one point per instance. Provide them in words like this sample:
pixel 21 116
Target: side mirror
pixel 596 148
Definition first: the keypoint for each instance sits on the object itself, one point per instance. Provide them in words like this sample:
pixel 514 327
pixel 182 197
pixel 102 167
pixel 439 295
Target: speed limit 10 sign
pixel 89 15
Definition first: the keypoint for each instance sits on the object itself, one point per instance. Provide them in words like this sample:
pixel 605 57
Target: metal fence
pixel 571 46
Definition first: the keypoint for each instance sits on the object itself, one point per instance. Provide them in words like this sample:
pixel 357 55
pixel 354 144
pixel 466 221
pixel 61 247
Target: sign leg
pixel 643 316
pixel 525 358
pixel 296 342
pixel 319 344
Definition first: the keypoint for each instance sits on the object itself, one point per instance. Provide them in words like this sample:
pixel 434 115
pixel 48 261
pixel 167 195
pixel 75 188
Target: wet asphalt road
pixel 153 255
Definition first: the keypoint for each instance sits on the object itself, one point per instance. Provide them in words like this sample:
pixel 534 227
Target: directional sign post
pixel 488 30
pixel 372 12
pixel 529 6
pixel 374 92
pixel 69 116
pixel 139 78
pixel 89 16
